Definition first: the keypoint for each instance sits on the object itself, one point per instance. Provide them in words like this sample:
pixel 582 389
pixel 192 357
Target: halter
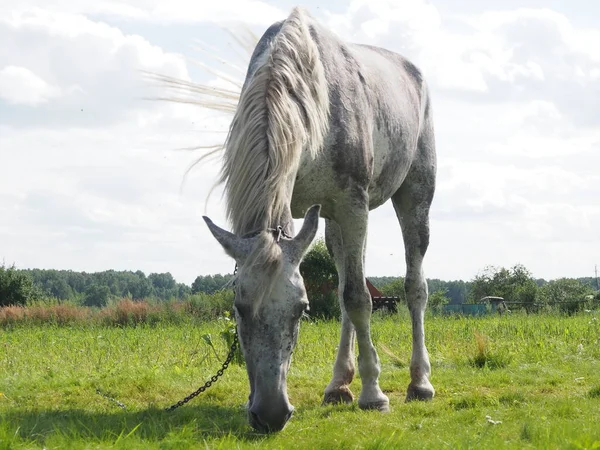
pixel 278 232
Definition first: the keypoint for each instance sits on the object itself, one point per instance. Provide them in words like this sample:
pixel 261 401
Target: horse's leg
pixel 357 300
pixel 412 202
pixel 338 390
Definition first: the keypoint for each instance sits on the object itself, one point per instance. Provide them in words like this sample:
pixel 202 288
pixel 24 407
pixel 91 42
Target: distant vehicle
pixel 496 302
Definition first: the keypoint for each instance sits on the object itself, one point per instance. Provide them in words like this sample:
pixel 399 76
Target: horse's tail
pixel 283 110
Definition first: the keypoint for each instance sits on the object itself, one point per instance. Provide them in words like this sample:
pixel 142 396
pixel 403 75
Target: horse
pixel 323 128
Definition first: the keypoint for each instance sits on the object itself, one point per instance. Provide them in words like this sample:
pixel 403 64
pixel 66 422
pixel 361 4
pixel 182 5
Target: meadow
pixel 511 381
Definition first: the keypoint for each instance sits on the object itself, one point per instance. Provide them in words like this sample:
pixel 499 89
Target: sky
pixel 92 169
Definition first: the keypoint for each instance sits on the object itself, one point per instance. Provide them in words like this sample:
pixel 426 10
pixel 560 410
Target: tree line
pixel 514 284
pixel 88 289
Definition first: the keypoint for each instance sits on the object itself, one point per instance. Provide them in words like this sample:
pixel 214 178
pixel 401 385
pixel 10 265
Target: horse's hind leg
pixel 338 390
pixel 412 202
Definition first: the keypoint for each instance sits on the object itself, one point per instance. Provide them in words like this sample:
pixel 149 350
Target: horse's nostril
pixel 289 414
pixel 256 422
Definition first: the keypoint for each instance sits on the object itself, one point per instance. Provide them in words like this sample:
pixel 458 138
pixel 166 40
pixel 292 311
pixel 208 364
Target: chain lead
pixel 201 389
pixel 212 380
pixel 109 398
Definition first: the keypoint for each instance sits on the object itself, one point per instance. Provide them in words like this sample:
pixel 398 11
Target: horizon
pixel 593 277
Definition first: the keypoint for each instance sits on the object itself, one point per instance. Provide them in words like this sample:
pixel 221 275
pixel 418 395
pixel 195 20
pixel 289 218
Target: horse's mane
pixel 282 110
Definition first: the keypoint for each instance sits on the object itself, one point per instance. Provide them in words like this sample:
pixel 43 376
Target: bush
pixel 395 289
pixel 325 305
pixel 16 287
pixel 321 281
pixel 44 314
pixel 210 306
pixel 438 299
pixel 129 313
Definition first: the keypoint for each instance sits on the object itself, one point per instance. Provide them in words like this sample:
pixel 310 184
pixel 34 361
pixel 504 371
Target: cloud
pixel 91 71
pixel 498 56
pixel 164 12
pixel 20 86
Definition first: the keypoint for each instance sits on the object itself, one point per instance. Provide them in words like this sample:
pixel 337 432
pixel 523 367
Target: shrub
pixel 58 314
pixel 324 305
pixel 130 313
pixel 321 280
pixel 210 306
pixel 10 315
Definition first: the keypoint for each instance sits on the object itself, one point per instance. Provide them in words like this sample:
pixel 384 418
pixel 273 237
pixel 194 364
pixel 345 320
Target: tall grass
pixel 124 312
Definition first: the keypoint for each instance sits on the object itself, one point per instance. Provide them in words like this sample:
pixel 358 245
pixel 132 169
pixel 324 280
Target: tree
pixel 395 289
pixel 514 284
pixel 58 288
pixel 457 291
pixel 16 287
pixel 566 292
pixel 210 283
pixel 96 295
pixel 380 282
pixel 438 299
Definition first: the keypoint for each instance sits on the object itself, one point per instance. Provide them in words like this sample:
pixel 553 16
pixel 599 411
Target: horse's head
pixel 270 298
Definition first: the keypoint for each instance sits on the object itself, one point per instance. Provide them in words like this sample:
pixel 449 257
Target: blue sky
pixel 91 178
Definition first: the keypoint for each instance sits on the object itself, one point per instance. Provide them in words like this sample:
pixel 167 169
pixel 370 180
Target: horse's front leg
pixel 338 390
pixel 357 304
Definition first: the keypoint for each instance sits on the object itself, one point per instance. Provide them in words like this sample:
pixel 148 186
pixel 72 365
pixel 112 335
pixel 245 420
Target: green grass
pixel 537 375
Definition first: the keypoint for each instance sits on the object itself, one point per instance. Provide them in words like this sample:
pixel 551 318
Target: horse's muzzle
pixel 269 419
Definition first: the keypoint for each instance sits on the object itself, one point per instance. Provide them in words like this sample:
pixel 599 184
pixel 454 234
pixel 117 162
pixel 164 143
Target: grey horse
pixel 323 127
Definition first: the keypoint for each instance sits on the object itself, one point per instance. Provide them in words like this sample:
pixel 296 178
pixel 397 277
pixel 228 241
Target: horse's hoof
pixel 423 392
pixel 340 395
pixel 382 405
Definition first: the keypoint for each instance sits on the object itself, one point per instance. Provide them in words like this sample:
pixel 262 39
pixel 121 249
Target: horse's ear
pixel 236 247
pixel 306 235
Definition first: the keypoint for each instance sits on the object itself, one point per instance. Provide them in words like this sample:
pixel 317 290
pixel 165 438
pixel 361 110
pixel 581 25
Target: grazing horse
pixel 332 128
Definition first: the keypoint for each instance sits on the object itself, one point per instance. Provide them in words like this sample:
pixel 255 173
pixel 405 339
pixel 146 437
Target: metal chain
pixel 194 394
pixel 212 380
pixel 109 398
pixel 201 389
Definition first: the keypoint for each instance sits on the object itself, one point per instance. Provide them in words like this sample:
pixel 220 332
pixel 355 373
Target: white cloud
pixel 92 70
pixel 162 11
pixel 20 86
pixel 499 56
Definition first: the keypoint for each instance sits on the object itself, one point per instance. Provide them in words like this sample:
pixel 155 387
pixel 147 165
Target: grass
pixel 502 382
pixel 121 312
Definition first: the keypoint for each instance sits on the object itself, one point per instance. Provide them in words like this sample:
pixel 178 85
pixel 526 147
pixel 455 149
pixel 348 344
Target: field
pixel 502 382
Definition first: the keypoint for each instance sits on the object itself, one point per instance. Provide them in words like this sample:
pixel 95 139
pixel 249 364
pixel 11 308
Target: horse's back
pixel 376 100
pixel 377 105
pixel 398 94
